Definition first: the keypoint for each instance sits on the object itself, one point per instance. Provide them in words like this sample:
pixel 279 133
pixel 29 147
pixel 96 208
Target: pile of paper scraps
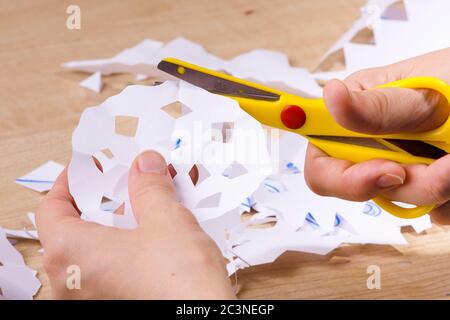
pixel 250 195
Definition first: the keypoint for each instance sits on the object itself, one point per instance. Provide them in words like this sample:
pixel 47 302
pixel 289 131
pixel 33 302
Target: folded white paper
pixel 229 170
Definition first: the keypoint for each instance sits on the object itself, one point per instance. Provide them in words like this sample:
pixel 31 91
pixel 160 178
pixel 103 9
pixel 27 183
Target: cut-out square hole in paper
pixel 172 170
pixel 209 202
pixel 105 199
pixel 112 206
pixel 103 159
pixel 107 153
pixel 126 126
pixel 334 62
pixel 198 174
pixel 120 209
pixel 222 131
pixel 193 174
pixel 364 36
pixel 98 164
pixel 234 170
pixel 176 109
pixel 396 11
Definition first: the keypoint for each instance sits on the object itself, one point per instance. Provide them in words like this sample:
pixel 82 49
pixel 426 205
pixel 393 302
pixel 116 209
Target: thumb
pixel 152 193
pixel 385 110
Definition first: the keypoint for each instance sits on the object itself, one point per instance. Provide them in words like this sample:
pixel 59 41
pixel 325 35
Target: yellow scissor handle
pixel 401 212
pixel 320 122
pixel 359 153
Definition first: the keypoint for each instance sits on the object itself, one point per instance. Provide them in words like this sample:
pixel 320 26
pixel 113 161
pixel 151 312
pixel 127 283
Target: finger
pixel 341 178
pixel 386 110
pixel 152 192
pixel 56 210
pixel 441 215
pixel 63 235
pixel 425 185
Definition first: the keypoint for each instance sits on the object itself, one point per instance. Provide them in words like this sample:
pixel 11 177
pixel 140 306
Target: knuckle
pixel 380 103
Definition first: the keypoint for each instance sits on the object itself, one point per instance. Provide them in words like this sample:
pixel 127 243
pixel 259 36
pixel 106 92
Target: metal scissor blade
pixel 215 84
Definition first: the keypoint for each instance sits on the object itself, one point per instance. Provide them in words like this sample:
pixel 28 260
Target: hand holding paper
pixel 167 256
pixel 380 111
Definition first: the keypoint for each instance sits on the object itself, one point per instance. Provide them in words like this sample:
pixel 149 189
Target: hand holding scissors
pixel 413 148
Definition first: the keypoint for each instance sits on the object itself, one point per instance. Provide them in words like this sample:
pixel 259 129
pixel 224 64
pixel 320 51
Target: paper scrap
pixel 93 82
pixel 397 35
pixel 273 69
pixel 42 178
pixel 143 58
pixel 17 281
pixel 23 233
pixel 263 66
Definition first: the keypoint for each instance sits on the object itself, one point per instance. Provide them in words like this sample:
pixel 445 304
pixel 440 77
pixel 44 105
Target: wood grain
pixel 40 104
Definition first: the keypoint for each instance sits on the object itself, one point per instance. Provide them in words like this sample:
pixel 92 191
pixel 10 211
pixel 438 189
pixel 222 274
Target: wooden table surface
pixel 40 104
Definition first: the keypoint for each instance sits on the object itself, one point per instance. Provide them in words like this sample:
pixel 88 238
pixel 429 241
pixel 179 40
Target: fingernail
pixel 152 162
pixel 389 180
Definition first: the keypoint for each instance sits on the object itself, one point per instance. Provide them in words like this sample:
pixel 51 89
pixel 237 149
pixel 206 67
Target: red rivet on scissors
pixel 293 117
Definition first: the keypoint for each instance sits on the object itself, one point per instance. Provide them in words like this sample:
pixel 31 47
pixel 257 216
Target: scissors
pixel 311 119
